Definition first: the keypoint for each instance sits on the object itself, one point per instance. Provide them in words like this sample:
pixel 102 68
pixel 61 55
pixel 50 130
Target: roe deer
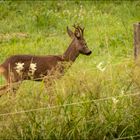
pixel 29 67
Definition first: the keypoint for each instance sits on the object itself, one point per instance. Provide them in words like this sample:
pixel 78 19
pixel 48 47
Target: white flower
pixel 115 101
pixel 122 92
pixel 114 105
pixel 100 67
pixel 32 68
pixel 19 67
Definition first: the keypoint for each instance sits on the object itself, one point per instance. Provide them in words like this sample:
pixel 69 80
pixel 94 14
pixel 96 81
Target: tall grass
pixel 98 97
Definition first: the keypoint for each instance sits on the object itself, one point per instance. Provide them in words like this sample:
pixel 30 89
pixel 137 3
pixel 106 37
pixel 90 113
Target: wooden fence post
pixel 137 40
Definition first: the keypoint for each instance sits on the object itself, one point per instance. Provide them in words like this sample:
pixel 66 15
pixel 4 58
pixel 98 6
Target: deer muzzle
pixel 89 52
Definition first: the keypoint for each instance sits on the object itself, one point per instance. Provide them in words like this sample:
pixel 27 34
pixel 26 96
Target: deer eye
pixel 85 44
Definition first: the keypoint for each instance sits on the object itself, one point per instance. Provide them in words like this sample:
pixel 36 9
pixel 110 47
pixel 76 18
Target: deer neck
pixel 71 53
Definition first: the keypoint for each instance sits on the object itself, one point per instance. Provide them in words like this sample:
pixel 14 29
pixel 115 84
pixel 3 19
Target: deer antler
pixel 82 29
pixel 78 30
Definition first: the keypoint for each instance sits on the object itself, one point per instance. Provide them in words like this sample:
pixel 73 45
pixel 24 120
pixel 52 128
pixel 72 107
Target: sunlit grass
pixel 95 98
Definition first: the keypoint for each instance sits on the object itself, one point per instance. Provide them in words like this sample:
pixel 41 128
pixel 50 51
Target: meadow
pixel 98 98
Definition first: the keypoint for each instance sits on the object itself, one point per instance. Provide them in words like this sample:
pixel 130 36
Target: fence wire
pixel 65 105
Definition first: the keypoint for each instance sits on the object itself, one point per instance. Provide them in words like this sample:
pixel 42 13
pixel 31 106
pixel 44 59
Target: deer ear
pixel 70 33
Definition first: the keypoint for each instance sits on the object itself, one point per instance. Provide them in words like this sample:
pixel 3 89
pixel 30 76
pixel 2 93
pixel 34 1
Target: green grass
pixel 109 34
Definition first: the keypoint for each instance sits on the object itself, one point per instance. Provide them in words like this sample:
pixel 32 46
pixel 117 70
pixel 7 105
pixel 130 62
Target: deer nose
pixel 89 52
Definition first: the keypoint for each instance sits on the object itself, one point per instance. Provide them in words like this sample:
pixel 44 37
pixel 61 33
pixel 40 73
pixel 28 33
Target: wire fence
pixel 65 105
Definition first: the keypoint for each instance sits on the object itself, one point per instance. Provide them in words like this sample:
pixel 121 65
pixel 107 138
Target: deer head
pixel 78 40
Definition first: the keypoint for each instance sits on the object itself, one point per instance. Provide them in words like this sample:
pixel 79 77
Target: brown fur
pixel 1 70
pixel 44 65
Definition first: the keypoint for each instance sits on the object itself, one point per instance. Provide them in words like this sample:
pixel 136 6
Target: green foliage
pixel 39 27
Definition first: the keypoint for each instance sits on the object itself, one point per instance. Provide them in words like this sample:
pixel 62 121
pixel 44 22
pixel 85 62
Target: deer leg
pixel 3 89
pixel 48 82
pixel 52 76
pixel 15 86
pixel 12 84
pixel 9 88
